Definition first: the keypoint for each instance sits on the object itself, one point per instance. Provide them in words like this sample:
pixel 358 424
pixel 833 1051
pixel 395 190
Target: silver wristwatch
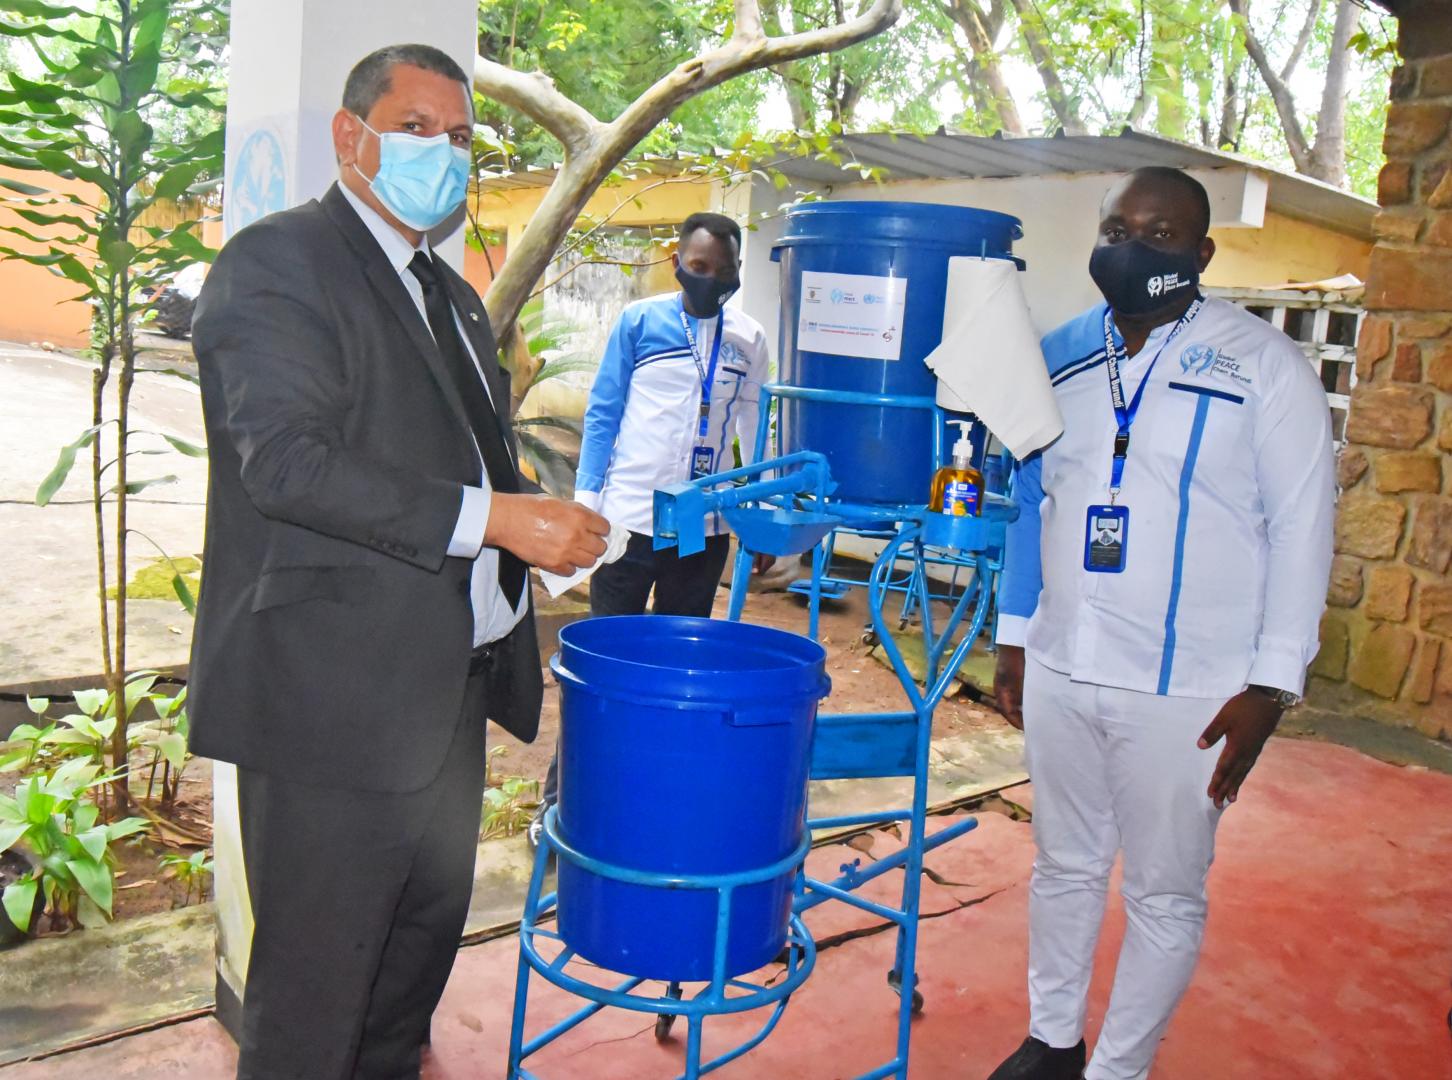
pixel 1284 699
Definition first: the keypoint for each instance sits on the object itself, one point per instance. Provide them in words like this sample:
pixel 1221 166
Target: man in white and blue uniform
pixel 1162 592
pixel 679 385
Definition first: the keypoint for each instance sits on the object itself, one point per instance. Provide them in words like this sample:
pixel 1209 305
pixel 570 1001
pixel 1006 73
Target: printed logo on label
pixel 1165 283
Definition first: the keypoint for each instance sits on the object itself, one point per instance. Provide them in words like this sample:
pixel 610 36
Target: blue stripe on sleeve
pixel 607 403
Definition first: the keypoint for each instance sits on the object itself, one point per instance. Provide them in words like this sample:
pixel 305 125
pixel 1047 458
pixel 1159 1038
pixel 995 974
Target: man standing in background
pixel 680 382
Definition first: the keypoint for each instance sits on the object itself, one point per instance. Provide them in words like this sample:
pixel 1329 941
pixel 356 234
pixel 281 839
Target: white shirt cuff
pixel 468 535
pixel 1280 665
pixel 590 500
pixel 1012 630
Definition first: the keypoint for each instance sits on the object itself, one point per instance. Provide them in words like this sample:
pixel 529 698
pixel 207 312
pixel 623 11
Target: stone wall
pixel 1386 640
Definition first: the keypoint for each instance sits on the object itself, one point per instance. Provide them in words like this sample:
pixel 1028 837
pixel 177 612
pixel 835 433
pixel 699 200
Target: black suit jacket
pixel 333 633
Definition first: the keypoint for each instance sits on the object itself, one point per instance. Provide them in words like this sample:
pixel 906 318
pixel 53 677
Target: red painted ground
pixel 1329 956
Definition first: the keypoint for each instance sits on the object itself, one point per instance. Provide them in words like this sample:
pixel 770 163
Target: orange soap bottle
pixel 958 488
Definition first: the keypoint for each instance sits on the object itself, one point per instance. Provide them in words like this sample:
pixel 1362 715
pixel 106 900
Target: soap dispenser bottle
pixel 958 488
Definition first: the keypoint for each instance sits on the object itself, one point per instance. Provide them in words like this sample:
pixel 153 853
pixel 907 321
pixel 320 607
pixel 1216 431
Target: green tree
pixel 603 54
pixel 108 68
pixel 592 147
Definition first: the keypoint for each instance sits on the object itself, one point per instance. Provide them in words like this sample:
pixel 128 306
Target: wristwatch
pixel 1284 699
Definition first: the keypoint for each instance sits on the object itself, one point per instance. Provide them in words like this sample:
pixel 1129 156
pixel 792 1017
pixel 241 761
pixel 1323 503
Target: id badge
pixel 1106 533
pixel 701 459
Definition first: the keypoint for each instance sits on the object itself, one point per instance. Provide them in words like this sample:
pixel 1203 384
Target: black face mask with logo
pixel 1137 279
pixel 705 292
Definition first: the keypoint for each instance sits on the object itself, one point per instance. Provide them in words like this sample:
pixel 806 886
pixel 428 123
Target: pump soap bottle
pixel 958 488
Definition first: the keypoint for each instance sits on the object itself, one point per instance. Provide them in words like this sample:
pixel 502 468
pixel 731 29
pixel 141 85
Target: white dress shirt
pixel 1230 488
pixel 494 617
pixel 641 426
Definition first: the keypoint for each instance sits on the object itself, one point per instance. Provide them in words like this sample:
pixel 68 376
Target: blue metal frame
pixel 785 502
pixel 710 1001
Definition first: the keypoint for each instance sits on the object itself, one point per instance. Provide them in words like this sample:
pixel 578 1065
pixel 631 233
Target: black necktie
pixel 488 431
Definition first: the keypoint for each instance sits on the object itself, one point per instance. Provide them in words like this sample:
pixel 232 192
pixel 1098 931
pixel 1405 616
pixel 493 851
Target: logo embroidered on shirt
pixel 1197 358
pixel 1207 360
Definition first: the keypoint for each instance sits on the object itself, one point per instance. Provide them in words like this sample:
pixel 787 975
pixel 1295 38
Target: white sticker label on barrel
pixel 852 315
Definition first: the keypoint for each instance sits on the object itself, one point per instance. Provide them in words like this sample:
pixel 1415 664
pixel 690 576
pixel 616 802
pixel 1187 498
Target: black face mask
pixel 705 292
pixel 1137 279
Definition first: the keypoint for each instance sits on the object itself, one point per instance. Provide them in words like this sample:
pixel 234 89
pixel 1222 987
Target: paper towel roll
pixel 989 362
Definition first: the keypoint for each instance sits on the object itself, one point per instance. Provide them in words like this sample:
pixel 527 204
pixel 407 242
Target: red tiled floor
pixel 1328 956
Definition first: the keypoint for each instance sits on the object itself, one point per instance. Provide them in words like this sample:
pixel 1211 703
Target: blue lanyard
pixel 707 372
pixel 1125 414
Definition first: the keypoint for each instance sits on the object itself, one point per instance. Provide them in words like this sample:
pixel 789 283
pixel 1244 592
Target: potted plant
pixel 73 869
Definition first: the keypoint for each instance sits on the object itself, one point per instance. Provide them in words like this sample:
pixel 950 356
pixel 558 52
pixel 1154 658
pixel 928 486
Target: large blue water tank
pixel 684 751
pixel 862 293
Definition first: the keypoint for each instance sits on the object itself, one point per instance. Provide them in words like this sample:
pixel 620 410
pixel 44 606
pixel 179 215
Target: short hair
pixel 1186 183
pixel 371 77
pixel 718 225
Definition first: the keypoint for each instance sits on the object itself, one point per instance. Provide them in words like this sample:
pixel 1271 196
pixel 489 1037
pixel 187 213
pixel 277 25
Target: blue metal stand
pixel 783 506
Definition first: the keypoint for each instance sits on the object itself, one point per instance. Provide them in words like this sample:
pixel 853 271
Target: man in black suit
pixel 367 603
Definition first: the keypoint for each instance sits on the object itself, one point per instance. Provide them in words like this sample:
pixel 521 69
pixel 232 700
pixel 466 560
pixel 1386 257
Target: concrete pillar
pixel 289 59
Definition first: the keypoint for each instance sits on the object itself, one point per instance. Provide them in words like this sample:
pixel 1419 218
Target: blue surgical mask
pixel 421 181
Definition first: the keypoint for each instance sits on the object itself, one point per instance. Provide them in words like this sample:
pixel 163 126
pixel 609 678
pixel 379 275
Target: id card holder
pixel 1106 534
pixel 701 460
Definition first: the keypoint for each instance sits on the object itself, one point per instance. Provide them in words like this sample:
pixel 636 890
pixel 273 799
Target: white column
pixel 289 59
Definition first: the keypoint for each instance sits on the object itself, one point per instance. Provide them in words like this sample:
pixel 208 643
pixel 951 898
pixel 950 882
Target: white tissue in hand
pixel 614 548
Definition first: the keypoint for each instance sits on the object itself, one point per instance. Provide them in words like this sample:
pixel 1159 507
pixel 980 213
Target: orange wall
pixel 476 266
pixel 36 305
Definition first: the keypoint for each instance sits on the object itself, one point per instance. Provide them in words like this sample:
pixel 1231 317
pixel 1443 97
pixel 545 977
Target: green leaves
pixel 184 594
pixel 189 449
pixel 11 831
pixel 134 487
pixel 19 902
pixel 57 475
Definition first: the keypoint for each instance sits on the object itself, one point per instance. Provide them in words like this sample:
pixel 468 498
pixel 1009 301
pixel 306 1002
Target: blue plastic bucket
pixel 684 750
pixel 878 455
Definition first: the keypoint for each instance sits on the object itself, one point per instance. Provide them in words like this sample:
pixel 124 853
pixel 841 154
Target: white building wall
pixel 1060 215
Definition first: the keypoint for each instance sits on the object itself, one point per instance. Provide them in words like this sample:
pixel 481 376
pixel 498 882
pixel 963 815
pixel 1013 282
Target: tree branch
pixel 1328 156
pixel 593 149
pixel 969 18
pixel 1280 93
pixel 1035 36
pixel 534 94
pixel 1302 39
pixel 748 21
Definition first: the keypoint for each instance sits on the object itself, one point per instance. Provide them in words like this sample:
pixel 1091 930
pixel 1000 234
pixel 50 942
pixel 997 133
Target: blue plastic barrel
pixel 684 750
pixel 878 455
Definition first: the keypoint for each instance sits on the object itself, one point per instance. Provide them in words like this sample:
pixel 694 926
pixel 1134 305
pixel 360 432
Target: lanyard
pixel 1125 414
pixel 707 372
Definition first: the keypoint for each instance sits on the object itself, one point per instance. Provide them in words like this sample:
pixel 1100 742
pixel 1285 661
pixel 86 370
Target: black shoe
pixel 1037 1060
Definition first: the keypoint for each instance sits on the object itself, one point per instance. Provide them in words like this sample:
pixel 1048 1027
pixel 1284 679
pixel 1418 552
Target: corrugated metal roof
pixel 947 155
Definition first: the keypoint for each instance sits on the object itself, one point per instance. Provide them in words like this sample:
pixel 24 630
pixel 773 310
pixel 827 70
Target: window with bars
pixel 1325 325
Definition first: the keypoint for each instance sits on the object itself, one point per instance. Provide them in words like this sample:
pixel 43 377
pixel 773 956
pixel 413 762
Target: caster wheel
pixel 869 638
pixel 665 1021
pixel 894 980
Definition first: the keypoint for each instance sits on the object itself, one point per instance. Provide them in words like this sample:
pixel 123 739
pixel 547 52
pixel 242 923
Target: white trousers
pixel 1114 770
